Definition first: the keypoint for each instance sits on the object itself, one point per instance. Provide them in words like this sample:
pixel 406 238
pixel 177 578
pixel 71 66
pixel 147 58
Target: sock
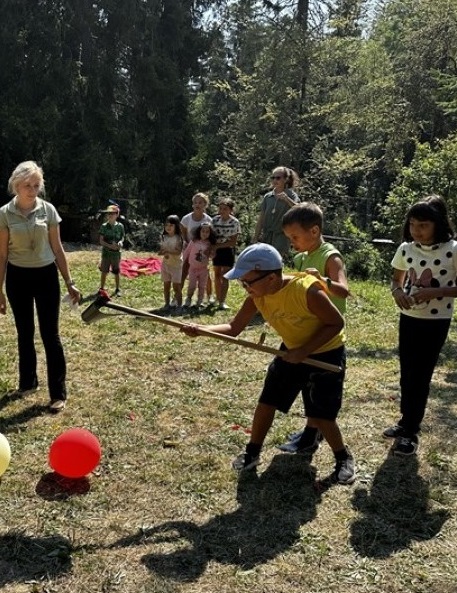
pixel 308 438
pixel 341 455
pixel 253 449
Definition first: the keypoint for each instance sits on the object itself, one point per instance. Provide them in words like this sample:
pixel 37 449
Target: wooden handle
pixel 210 334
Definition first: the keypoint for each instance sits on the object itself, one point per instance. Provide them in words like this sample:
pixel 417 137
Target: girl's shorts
pixel 224 257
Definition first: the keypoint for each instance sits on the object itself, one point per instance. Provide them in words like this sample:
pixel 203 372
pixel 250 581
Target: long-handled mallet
pixel 93 313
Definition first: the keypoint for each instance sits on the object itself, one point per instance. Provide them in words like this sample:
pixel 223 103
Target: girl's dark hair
pixel 432 208
pixel 174 220
pixel 197 235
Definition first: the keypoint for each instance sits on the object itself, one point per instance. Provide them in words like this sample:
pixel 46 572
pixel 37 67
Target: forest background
pixel 148 101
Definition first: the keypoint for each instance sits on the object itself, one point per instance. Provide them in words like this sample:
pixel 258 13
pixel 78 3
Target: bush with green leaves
pixel 433 170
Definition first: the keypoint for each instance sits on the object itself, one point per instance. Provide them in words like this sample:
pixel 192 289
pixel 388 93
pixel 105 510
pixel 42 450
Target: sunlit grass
pixel 165 513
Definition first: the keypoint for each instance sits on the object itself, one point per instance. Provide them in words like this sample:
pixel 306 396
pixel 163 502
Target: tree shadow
pixel 10 424
pixel 52 486
pixel 273 507
pixel 394 511
pixel 24 558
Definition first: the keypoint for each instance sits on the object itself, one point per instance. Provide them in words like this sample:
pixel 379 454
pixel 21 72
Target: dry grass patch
pixel 164 512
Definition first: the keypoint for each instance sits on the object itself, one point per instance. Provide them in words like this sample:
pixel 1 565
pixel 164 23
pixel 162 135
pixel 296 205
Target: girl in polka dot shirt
pixel 424 288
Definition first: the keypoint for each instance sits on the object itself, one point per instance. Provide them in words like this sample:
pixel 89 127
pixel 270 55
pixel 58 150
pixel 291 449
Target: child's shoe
pixel 245 462
pixel 393 432
pixel 344 472
pixel 405 445
pixel 188 302
pixel 117 292
pixel 223 306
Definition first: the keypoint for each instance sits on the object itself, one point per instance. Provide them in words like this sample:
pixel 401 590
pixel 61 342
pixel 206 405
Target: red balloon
pixel 75 453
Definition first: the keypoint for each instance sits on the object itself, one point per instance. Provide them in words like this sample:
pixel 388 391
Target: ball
pixel 5 454
pixel 75 453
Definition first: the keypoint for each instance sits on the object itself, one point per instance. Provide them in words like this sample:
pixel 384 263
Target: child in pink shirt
pixel 198 254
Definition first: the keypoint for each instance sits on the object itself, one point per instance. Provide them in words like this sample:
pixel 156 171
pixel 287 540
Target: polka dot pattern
pixel 428 266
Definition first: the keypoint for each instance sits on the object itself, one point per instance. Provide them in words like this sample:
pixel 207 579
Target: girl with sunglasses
pixel 274 205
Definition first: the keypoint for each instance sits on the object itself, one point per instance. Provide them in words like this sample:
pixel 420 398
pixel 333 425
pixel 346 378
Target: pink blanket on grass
pixel 135 266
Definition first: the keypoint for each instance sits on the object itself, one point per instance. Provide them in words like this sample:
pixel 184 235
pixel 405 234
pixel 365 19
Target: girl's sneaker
pixel 188 302
pixel 393 432
pixel 405 445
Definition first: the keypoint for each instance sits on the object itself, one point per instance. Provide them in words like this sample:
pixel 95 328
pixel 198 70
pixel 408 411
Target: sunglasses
pixel 277 177
pixel 249 283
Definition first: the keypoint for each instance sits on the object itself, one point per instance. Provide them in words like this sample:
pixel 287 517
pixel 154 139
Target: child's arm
pixel 335 282
pixel 104 243
pixel 402 300
pixel 184 233
pixel 121 240
pixel 185 255
pixel 332 323
pixel 227 242
pixel 232 328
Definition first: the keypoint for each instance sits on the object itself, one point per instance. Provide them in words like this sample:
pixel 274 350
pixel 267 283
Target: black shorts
pixel 225 257
pixel 322 391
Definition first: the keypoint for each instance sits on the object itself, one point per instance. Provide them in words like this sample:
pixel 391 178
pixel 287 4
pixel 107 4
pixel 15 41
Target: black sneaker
pixel 393 432
pixel 245 462
pixel 344 472
pixel 405 445
pixel 20 392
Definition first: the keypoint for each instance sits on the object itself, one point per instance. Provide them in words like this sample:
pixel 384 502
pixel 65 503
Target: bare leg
pixel 103 279
pixel 263 419
pixel 166 293
pixel 330 430
pixel 177 289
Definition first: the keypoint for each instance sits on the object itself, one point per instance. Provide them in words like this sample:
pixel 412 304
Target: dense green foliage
pixel 148 101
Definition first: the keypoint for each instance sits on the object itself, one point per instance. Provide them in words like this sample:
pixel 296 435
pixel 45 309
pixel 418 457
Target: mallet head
pixel 92 312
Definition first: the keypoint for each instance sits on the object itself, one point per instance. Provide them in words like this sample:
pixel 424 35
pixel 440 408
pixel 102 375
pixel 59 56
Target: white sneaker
pixel 174 303
pixel 223 307
pixel 211 300
pixel 57 405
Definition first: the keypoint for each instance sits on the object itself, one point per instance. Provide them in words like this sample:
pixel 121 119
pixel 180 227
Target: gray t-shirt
pixel 28 243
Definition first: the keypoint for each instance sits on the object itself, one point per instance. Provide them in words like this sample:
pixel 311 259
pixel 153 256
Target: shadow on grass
pixel 273 506
pixel 11 423
pixel 52 486
pixel 395 511
pixel 24 558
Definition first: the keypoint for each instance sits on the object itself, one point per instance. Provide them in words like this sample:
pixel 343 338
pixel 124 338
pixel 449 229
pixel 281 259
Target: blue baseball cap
pixel 256 257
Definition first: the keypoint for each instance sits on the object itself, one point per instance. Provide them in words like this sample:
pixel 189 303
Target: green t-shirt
pixel 318 259
pixel 112 233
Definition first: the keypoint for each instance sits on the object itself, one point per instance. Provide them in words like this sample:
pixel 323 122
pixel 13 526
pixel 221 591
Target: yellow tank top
pixel 287 312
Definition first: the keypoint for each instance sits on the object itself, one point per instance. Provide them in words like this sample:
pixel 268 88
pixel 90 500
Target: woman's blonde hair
pixel 24 171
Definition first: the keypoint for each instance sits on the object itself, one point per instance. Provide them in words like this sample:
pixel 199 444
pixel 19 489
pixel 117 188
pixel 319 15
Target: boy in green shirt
pixel 303 226
pixel 112 235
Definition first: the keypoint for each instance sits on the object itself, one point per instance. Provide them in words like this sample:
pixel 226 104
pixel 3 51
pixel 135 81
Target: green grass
pixel 164 513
